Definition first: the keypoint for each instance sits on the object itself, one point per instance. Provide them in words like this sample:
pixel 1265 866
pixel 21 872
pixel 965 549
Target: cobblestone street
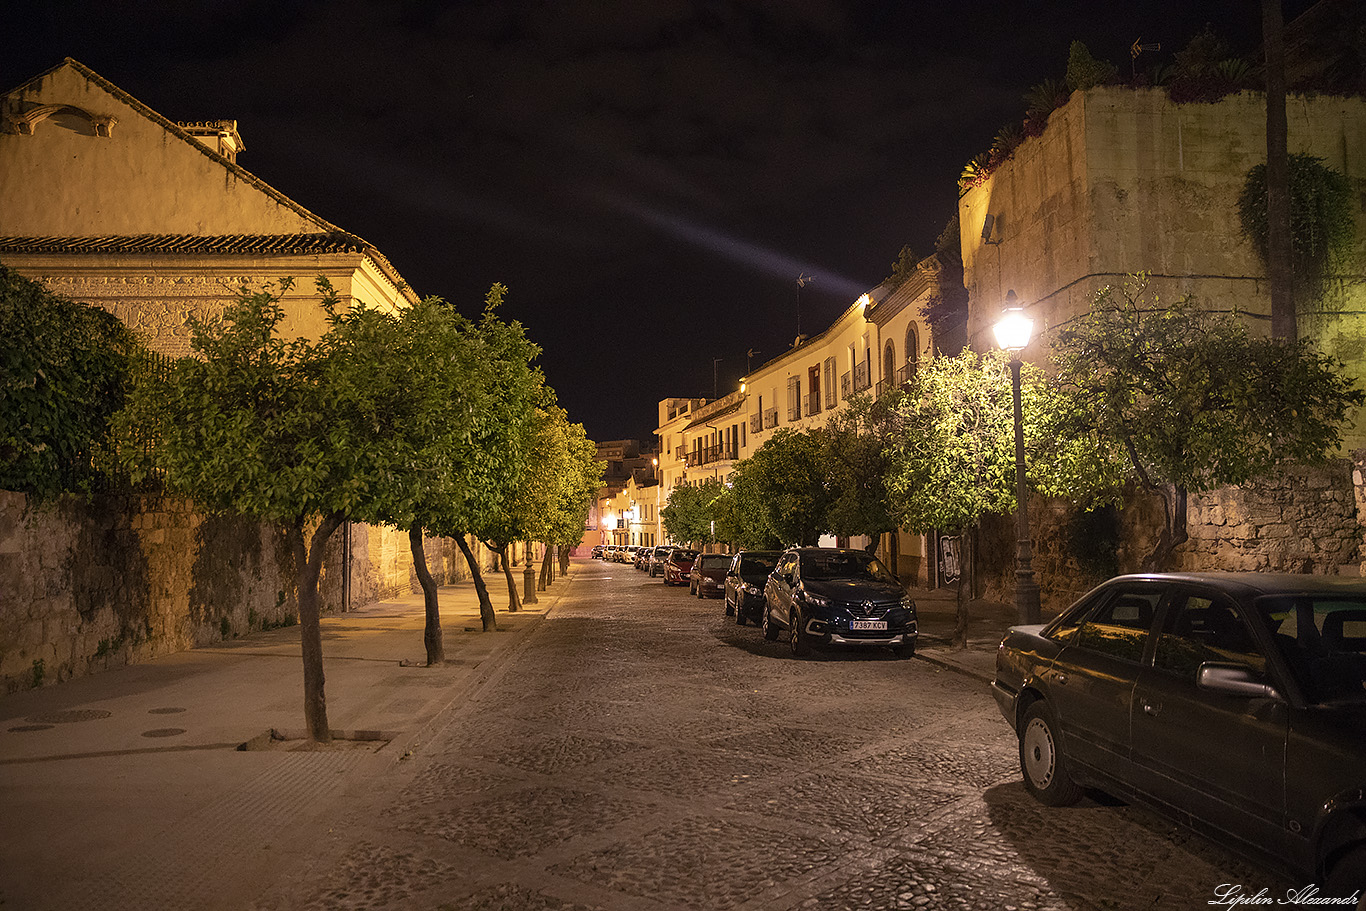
pixel 642 751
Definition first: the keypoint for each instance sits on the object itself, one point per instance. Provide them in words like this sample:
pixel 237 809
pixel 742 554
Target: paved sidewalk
pixel 987 624
pixel 127 789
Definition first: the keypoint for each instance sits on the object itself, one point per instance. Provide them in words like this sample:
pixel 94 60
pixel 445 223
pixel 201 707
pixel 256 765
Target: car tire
pixel 1347 875
pixel 798 642
pixel 730 608
pixel 739 616
pixel 770 628
pixel 904 650
pixel 1042 762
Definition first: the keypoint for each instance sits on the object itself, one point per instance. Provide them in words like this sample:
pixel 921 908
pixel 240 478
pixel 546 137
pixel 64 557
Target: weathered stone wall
pixel 1305 519
pixel 84 587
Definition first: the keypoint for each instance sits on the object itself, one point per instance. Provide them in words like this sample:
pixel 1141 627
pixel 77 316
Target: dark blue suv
pixel 826 596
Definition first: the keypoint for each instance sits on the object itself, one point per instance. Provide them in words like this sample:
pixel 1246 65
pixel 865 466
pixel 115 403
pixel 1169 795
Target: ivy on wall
pixel 1322 227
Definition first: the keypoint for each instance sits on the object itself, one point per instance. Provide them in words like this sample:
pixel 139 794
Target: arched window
pixel 912 352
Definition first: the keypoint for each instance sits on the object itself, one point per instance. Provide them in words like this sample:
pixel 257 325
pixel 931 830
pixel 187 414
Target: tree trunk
pixel 1279 267
pixel 1174 531
pixel 960 626
pixel 308 564
pixel 545 570
pixel 514 600
pixel 564 561
pixel 485 605
pixel 431 634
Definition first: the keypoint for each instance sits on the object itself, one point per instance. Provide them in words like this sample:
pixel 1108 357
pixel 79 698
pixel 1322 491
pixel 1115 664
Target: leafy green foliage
pixel 1084 71
pixel 1194 400
pixel 1322 224
pixel 903 268
pixel 857 462
pixel 740 513
pixel 951 444
pixel 788 487
pixel 691 510
pixel 1193 397
pixel 64 372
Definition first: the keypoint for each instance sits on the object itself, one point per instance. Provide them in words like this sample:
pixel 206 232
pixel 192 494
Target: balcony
pixel 681 453
pixel 813 403
pixel 794 411
pixel 708 455
pixel 756 423
pixel 770 418
pixel 844 386
pixel 861 381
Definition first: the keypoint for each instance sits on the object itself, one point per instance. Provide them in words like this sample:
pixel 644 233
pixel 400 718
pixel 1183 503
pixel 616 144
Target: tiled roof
pixel 385 267
pixel 191 244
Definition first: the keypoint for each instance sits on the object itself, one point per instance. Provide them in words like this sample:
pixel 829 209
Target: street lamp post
pixel 1012 334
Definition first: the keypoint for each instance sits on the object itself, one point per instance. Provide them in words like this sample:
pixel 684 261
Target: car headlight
pixel 816 600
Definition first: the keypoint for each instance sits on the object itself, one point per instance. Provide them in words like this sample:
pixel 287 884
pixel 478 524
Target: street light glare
pixel 1014 330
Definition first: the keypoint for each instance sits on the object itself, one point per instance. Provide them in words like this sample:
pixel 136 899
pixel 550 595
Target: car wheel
pixel 1042 761
pixel 1347 875
pixel 770 628
pixel 739 615
pixel 797 640
pixel 904 650
pixel 730 608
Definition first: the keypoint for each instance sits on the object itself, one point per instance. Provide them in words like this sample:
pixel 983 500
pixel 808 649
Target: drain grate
pixel 32 727
pixel 170 710
pixel 69 716
pixel 163 732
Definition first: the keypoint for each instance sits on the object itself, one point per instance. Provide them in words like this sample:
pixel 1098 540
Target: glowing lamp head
pixel 1014 329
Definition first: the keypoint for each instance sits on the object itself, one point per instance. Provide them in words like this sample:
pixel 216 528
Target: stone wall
pixel 84 587
pixel 1305 519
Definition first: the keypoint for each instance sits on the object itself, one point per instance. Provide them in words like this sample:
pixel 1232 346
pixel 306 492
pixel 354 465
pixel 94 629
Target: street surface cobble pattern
pixel 642 752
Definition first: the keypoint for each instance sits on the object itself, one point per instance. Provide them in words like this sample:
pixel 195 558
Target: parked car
pixel 744 585
pixel 707 578
pixel 677 566
pixel 1235 702
pixel 596 553
pixel 657 557
pixel 825 596
pixel 642 559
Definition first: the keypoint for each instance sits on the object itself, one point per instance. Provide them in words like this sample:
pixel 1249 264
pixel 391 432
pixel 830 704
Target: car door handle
pixel 1151 708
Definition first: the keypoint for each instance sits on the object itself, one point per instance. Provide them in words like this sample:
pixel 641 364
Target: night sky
pixel 648 177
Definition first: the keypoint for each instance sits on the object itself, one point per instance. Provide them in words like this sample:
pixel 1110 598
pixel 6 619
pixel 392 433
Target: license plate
pixel 868 624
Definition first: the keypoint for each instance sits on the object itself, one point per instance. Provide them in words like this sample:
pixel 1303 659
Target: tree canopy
pixel 1193 399
pixel 691 510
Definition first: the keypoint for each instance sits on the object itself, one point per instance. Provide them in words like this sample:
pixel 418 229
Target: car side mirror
pixel 1234 680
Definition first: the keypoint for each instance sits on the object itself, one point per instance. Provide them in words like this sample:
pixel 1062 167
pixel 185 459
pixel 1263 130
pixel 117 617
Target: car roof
pixel 1257 584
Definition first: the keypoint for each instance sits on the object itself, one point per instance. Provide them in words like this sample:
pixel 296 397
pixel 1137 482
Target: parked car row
pixel 819 597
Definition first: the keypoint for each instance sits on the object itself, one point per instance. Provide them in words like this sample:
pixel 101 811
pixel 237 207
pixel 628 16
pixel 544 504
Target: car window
pixel 1119 624
pixel 1323 641
pixel 750 564
pixel 1206 628
pixel 844 566
pixel 715 561
pixel 787 565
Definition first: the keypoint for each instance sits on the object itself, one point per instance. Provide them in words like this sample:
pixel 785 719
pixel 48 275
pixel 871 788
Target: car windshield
pixel 682 556
pixel 758 564
pixel 1323 640
pixel 844 566
pixel 716 561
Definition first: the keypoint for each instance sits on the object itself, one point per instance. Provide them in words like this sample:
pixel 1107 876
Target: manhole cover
pixel 69 716
pixel 32 727
pixel 171 710
pixel 163 732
